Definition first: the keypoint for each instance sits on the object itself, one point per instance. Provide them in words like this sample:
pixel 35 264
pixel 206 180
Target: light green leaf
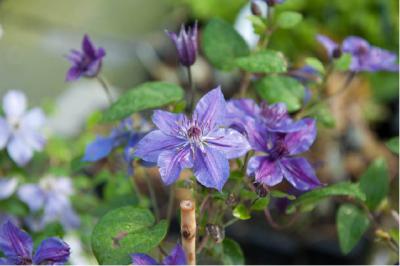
pixel 267 61
pixel 309 199
pixel 260 204
pixel 374 182
pixel 324 115
pixel 258 23
pixel 351 224
pixel 316 64
pixel 222 44
pixel 276 89
pixel 343 63
pixel 146 96
pixel 125 231
pixel 288 19
pixel 233 254
pixel 393 144
pixel 241 212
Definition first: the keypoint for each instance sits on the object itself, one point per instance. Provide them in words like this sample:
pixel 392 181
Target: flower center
pixel 194 133
pixel 277 147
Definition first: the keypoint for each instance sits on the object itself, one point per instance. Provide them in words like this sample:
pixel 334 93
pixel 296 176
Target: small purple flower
pixel 86 63
pixel 199 143
pixel 17 247
pixel 186 44
pixel 53 196
pixel 20 129
pixel 176 257
pixel 279 163
pixel 7 187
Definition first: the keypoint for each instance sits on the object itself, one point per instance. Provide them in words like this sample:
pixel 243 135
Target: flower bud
pixel 186 44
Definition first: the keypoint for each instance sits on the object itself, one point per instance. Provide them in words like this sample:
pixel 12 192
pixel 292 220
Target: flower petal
pixel 93 68
pixel 265 170
pixel 211 168
pixel 52 251
pixel 7 187
pixel 4 132
pixel 329 45
pixel 168 123
pixel 210 111
pixel 299 173
pixel 171 164
pixel 300 141
pixel 228 141
pixel 32 195
pixel 14 104
pixel 88 47
pixel 34 119
pixel 142 259
pixel 155 142
pixel 239 112
pixel 20 152
pixel 74 73
pixel 100 148
pixel 15 244
pixel 176 257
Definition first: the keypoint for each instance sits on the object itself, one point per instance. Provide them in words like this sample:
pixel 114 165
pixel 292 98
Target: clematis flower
pixel 278 162
pixel 365 57
pixel 85 63
pixel 20 129
pixel 17 247
pixel 199 143
pixel 7 187
pixel 186 44
pixel 176 257
pixel 53 196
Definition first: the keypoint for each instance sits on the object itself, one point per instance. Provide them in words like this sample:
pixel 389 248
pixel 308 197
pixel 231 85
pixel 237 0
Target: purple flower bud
pixel 186 44
pixel 274 2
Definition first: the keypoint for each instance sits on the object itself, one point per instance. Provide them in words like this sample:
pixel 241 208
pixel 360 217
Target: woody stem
pixel 188 230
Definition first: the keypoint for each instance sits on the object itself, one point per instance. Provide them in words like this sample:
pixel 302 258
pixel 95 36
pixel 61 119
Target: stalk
pixel 188 230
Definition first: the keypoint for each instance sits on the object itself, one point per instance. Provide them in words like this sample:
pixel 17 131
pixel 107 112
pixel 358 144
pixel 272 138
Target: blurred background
pixel 36 35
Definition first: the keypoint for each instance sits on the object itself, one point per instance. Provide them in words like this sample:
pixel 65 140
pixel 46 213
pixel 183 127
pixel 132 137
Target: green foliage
pixel 324 115
pixel 124 231
pixel 261 203
pixel 280 194
pixel 374 182
pixel 393 145
pixel 288 19
pixel 233 254
pixel 343 63
pixel 276 89
pixel 222 44
pixel 259 24
pixel 145 96
pixel 308 200
pixel 316 64
pixel 241 212
pixel 351 225
pixel 267 61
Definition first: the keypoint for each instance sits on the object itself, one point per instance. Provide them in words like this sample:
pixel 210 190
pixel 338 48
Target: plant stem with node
pixel 192 88
pixel 106 88
pixel 188 230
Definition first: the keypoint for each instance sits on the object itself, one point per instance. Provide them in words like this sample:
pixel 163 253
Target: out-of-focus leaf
pixel 393 144
pixel 351 224
pixel 324 115
pixel 261 203
pixel 241 212
pixel 343 63
pixel 288 19
pixel 280 194
pixel 258 24
pixel 394 233
pixel 316 64
pixel 267 61
pixel 233 254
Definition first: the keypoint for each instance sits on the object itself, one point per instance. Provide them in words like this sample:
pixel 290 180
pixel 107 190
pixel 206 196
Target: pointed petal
pixel 93 68
pixel 211 168
pixel 177 257
pixel 228 141
pixel 7 187
pixel 210 111
pixel 34 119
pixel 73 73
pixel 299 173
pixel 168 123
pixel 88 47
pixel 353 44
pixel 300 141
pixel 20 152
pixel 100 148
pixel 171 164
pixel 4 132
pixel 15 244
pixel 258 136
pixel 14 104
pixel 69 218
pixel 155 142
pixel 52 251
pixel 142 259
pixel 265 170
pixel 32 195
pixel 239 112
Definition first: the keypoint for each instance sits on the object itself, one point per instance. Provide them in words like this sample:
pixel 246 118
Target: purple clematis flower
pixel 20 129
pixel 199 143
pixel 176 257
pixel 86 63
pixel 365 57
pixel 279 163
pixel 17 246
pixel 186 44
pixel 53 196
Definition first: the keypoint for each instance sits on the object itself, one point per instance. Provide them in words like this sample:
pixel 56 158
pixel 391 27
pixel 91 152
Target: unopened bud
pixel 255 9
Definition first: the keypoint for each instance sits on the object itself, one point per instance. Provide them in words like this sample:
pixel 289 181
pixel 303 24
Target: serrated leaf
pixel 233 254
pixel 343 63
pixel 260 204
pixel 241 212
pixel 351 224
pixel 374 182
pixel 124 231
pixel 267 61
pixel 276 89
pixel 145 96
pixel 288 19
pixel 308 200
pixel 222 44
pixel 393 145
pixel 316 64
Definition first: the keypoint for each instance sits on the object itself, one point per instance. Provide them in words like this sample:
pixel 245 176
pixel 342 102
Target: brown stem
pixel 244 84
pixel 188 230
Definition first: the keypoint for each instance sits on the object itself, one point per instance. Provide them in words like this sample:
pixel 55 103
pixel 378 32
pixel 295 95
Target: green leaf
pixel 308 200
pixel 233 254
pixel 125 231
pixel 280 194
pixel 351 225
pixel 343 63
pixel 275 89
pixel 316 64
pixel 288 19
pixel 258 24
pixel 145 96
pixel 222 44
pixel 394 234
pixel 260 204
pixel 393 145
pixel 241 212
pixel 267 61
pixel 324 115
pixel 374 182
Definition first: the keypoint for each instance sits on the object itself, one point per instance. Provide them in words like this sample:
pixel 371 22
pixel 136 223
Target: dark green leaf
pixel 394 234
pixel 124 231
pixel 146 96
pixel 351 225
pixel 267 61
pixel 275 89
pixel 241 212
pixel 393 144
pixel 260 204
pixel 374 182
pixel 222 44
pixel 288 19
pixel 233 254
pixel 343 63
pixel 308 200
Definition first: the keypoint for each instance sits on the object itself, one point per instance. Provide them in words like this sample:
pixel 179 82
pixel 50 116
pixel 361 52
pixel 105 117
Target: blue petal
pixel 228 141
pixel 301 140
pixel 168 123
pixel 171 164
pixel 142 259
pixel 100 148
pixel 177 257
pixel 15 243
pixel 52 251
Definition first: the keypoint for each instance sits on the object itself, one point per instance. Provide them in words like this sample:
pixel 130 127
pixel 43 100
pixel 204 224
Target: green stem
pixel 106 88
pixel 192 89
pixel 171 201
pixel 153 197
pixel 230 222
